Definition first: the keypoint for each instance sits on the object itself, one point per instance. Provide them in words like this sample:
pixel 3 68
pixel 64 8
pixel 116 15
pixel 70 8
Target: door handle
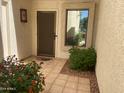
pixel 55 35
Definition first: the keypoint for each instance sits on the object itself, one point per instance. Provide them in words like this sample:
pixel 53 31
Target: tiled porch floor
pixel 62 83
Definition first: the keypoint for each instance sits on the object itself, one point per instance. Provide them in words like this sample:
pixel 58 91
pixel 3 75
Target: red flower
pixel 33 82
pixel 1 66
pixel 17 68
pixel 19 79
pixel 30 90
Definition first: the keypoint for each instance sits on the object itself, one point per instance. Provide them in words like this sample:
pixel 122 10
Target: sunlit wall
pixel 1 46
pixel 8 30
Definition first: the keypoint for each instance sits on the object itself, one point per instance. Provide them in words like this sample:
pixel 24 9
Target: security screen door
pixel 46 24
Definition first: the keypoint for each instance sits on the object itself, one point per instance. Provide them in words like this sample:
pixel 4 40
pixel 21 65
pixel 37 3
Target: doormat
pixel 45 59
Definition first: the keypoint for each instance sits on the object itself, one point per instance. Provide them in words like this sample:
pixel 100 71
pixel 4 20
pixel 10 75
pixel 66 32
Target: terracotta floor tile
pixel 49 80
pixel 84 80
pixel 63 76
pixel 83 87
pixel 69 90
pixel 45 71
pixel 60 82
pixel 83 91
pixel 56 71
pixel 72 85
pixel 52 75
pixel 73 79
pixel 47 87
pixel 56 89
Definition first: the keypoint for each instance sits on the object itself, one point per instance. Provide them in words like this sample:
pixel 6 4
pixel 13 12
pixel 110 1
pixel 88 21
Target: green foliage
pixel 73 41
pixel 23 78
pixel 82 59
pixel 84 24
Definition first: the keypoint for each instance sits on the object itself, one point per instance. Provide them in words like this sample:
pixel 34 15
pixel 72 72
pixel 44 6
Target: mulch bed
pixel 85 74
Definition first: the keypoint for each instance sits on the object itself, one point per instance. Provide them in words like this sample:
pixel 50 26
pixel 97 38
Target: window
pixel 76 27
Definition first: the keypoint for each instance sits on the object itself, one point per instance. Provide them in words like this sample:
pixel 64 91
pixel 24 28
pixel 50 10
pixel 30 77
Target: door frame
pixel 38 41
pixel 56 30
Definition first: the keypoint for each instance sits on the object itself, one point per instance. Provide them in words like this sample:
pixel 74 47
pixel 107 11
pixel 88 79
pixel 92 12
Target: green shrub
pixel 21 77
pixel 82 59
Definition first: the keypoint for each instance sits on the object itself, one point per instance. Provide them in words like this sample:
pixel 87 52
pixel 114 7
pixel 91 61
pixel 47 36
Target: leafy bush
pixel 17 77
pixel 82 59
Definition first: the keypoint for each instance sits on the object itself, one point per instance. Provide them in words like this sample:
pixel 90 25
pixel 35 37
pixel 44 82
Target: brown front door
pixel 46 24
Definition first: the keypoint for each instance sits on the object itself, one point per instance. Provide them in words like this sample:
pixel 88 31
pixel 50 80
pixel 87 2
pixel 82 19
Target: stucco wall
pixel 110 46
pixel 60 7
pixel 1 46
pixel 23 30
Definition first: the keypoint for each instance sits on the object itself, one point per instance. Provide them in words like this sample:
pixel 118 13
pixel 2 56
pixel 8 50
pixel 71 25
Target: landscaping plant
pixel 17 77
pixel 82 59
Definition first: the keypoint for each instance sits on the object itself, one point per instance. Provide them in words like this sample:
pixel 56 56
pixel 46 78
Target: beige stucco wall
pixel 23 30
pixel 1 46
pixel 60 7
pixel 110 46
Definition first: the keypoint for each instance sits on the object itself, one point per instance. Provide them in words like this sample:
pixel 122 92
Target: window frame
pixel 67 23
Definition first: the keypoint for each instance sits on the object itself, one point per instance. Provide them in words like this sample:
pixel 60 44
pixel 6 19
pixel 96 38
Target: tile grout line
pixel 77 85
pixel 54 80
pixel 65 84
pixel 52 84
